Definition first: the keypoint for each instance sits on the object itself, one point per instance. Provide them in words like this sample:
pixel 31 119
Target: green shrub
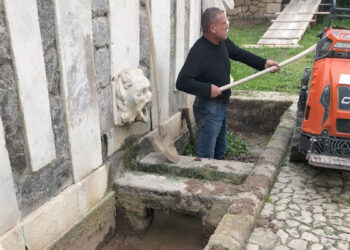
pixel 235 146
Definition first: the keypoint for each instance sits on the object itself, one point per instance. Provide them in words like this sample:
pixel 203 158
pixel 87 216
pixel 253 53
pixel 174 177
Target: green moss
pixel 129 157
pixel 267 198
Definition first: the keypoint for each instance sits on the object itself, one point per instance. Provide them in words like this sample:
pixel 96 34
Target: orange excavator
pixel 322 133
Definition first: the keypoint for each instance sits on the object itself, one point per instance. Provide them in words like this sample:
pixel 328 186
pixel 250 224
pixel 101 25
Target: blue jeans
pixel 211 129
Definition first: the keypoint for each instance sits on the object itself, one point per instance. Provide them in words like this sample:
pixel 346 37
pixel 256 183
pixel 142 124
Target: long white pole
pixel 260 73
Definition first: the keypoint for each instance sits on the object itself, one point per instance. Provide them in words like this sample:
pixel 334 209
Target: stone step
pixel 137 193
pixel 234 172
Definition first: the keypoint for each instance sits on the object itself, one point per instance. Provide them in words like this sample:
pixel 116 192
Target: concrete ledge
pixel 233 172
pixel 235 227
pixel 91 231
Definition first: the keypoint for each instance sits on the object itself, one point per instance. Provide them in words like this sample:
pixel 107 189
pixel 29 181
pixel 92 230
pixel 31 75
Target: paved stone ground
pixel 307 208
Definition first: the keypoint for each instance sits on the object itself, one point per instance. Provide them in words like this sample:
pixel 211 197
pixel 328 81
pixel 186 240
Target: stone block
pixel 52 219
pixel 96 227
pixel 79 85
pixel 9 213
pixel 105 106
pixel 222 242
pixel 2 20
pixel 47 23
pixel 245 9
pixel 92 188
pixel 102 66
pixel 4 43
pixel 49 221
pixel 22 19
pixel 267 169
pixel 52 71
pixel 236 226
pixel 234 11
pixel 272 8
pixel 208 169
pixel 100 31
pixel 145 53
pixel 239 3
pixel 253 9
pixel 13 239
pixel 99 7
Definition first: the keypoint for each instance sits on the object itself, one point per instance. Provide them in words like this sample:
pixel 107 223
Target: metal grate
pixel 331 146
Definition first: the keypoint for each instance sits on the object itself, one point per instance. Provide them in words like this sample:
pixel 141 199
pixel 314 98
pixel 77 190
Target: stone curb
pixel 235 227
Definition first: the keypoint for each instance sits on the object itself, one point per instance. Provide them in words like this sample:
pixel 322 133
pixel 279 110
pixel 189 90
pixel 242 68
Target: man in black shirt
pixel 207 67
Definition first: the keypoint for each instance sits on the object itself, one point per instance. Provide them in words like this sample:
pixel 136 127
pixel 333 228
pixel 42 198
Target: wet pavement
pixel 307 208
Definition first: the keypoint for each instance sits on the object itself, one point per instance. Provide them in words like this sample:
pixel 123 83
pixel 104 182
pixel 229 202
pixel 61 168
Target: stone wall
pixel 59 144
pixel 254 8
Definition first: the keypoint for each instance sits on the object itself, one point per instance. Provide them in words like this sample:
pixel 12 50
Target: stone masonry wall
pixel 254 8
pixel 77 68
pixel 33 189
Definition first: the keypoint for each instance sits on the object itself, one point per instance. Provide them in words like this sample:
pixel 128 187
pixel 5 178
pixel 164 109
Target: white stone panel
pixel 161 30
pixel 124 34
pixel 195 21
pixel 78 81
pixel 27 51
pixel 13 239
pixel 180 37
pixel 58 215
pixel 9 213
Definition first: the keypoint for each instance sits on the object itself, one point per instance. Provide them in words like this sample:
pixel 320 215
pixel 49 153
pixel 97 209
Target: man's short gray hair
pixel 209 17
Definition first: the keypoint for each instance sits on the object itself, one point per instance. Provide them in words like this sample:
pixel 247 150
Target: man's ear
pixel 212 28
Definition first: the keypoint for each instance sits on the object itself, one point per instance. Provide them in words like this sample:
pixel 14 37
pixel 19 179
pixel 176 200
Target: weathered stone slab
pixel 207 199
pixel 56 216
pixel 23 23
pixel 74 29
pixel 161 31
pixel 9 213
pixel 209 169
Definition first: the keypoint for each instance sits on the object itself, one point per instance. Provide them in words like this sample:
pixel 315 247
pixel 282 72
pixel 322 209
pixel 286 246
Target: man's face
pixel 220 27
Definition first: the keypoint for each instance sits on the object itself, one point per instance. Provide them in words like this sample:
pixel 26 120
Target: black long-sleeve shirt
pixel 208 63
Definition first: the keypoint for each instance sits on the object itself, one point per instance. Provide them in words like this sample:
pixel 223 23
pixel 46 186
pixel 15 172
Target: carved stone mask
pixel 132 95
